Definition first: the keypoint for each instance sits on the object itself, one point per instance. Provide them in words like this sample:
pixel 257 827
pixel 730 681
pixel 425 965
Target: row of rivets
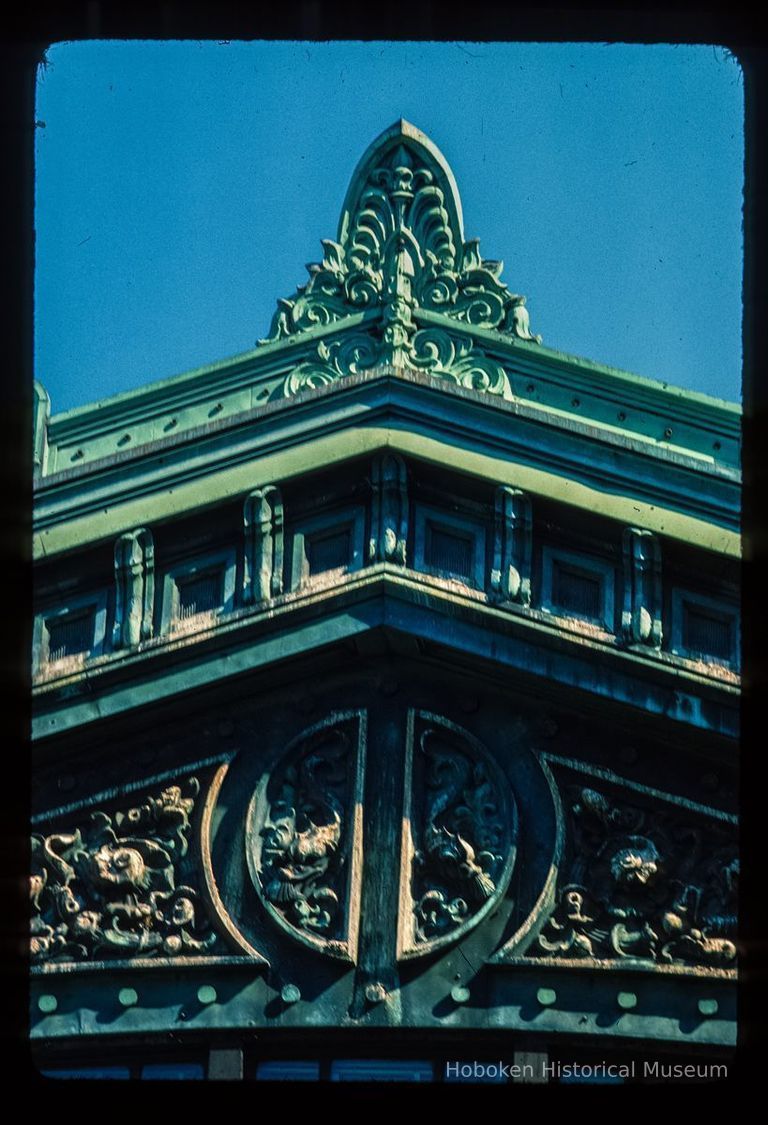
pixel 127 998
pixel 374 993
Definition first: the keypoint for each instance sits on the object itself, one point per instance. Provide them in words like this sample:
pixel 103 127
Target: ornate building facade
pixel 386 687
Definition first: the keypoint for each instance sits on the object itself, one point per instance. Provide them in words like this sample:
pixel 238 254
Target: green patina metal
pixel 410 698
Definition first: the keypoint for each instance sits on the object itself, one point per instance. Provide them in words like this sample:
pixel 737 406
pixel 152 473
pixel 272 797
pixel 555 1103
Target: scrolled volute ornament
pixel 111 888
pixel 643 884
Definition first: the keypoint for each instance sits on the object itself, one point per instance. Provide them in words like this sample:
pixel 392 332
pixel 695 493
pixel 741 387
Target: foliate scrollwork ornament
pixel 118 886
pixel 347 355
pixel 463 827
pixel 647 884
pixel 454 357
pixel 302 839
pixel 400 241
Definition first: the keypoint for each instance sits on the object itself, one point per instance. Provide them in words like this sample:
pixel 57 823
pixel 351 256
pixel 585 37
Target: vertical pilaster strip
pixel 641 614
pixel 263 526
pixel 389 510
pixel 512 541
pixel 134 587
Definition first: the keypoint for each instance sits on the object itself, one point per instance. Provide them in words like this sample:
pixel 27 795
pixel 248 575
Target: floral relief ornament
pixel 112 889
pixel 644 886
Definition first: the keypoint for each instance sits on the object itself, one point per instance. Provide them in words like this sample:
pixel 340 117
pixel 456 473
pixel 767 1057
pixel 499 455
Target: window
pixel 200 587
pixel 200 593
pixel 329 552
pixel 378 1070
pixel 327 543
pixel 279 1070
pixel 575 585
pixel 71 634
pixel 450 546
pixel 448 552
pixel 704 629
pixel 74 630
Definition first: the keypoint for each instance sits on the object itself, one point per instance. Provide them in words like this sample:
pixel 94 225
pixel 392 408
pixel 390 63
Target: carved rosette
pixel 459 835
pixel 304 836
pixel 654 884
pixel 119 885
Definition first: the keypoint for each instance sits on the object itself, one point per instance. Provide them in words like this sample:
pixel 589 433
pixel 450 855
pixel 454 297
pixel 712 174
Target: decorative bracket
pixel 135 588
pixel 263 525
pixel 512 535
pixel 389 510
pixel 641 615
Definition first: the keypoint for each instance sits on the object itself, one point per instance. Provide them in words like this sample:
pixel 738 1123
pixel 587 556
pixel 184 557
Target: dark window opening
pixel 706 634
pixel 448 552
pixel 577 593
pixel 328 552
pixel 199 594
pixel 70 634
pixel 379 1070
pixel 288 1070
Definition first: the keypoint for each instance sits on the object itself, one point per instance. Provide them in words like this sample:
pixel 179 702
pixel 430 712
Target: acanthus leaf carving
pixel 346 355
pixel 454 357
pixel 644 885
pixel 401 249
pixel 117 886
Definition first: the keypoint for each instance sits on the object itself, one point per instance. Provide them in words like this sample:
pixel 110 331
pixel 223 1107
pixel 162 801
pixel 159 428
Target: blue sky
pixel 181 187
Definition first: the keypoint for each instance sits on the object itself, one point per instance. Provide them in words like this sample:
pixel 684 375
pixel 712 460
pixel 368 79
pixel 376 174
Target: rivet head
pixel 375 992
pixel 668 432
pixel 206 994
pixel 546 997
pixel 707 1007
pixel 290 993
pixel 128 997
pixel 47 1003
pixel 626 1000
pixel 459 994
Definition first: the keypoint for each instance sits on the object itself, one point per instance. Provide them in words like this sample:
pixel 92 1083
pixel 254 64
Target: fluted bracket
pixel 135 588
pixel 641 614
pixel 263 527
pixel 512 536
pixel 389 510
